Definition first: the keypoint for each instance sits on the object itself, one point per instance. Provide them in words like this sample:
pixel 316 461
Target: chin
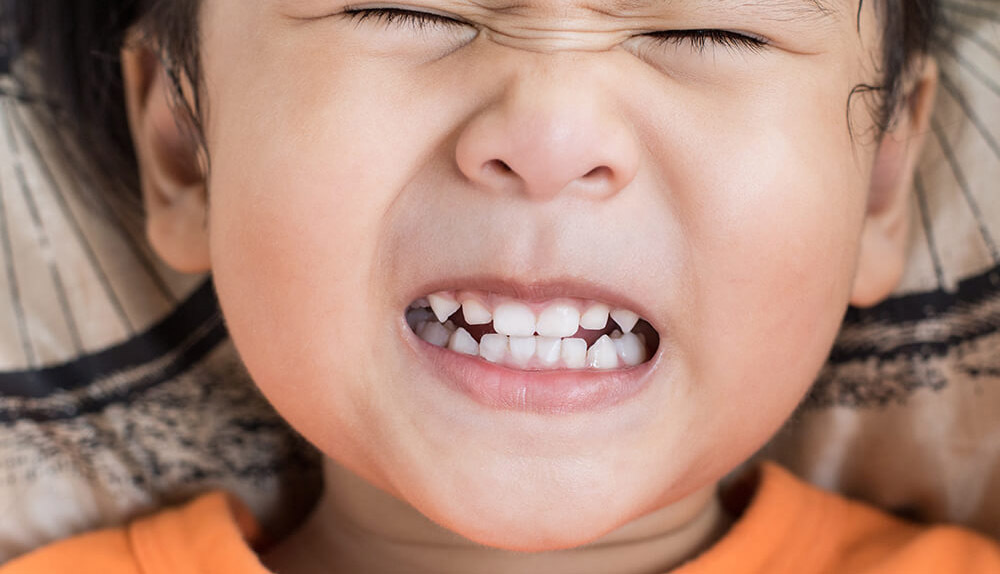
pixel 540 524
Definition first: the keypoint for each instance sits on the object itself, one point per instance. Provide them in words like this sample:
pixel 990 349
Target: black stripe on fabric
pixel 910 309
pixel 930 304
pixel 88 404
pixel 199 309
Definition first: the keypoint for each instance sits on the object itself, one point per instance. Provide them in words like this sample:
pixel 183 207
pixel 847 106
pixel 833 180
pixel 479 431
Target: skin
pixel 353 163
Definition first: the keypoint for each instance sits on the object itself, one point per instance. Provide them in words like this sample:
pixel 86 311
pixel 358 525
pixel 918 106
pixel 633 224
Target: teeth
pixel 548 349
pixel 559 320
pixel 574 353
pixel 443 305
pixel 434 333
pixel 626 319
pixel 631 349
pixel 462 342
pixel 475 313
pixel 595 318
pixel 514 319
pixel 522 349
pixel 515 324
pixel 493 347
pixel 603 355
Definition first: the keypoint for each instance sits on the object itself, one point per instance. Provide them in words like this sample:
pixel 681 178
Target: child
pixel 534 276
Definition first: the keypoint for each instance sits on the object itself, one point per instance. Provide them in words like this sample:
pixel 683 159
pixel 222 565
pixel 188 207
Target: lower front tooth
pixel 522 349
pixel 603 354
pixel 493 347
pixel 574 353
pixel 630 349
pixel 434 333
pixel 462 342
pixel 547 349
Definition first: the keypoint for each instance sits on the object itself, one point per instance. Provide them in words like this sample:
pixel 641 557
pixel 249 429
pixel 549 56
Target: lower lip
pixel 541 392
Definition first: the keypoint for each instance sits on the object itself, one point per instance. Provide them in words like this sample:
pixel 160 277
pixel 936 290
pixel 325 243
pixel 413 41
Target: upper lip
pixel 536 291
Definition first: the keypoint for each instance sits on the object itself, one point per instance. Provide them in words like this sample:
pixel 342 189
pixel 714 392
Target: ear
pixel 173 182
pixel 885 236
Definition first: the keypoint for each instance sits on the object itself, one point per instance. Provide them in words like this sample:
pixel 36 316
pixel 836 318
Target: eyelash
pixel 401 17
pixel 699 39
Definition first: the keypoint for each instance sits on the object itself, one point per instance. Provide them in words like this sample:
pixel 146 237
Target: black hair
pixel 76 45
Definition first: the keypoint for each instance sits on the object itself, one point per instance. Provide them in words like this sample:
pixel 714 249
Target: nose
pixel 551 131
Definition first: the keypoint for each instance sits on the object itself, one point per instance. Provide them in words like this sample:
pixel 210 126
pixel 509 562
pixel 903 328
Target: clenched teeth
pixel 531 336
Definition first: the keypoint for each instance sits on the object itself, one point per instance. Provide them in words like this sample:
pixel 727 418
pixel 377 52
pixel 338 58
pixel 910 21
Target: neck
pixel 357 528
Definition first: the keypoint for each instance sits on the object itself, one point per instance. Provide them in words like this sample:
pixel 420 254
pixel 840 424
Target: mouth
pixel 564 334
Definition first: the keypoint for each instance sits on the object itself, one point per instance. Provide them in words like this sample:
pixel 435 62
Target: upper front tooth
pixel 475 313
pixel 626 319
pixel 559 320
pixel 514 319
pixel 603 354
pixel 595 318
pixel 443 305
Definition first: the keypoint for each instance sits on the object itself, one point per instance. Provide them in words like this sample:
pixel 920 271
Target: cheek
pixel 773 232
pixel 294 219
pixel 767 194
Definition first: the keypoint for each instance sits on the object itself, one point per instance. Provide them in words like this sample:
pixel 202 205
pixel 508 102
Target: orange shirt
pixel 788 526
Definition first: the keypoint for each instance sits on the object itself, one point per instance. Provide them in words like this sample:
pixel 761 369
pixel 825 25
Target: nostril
pixel 602 172
pixel 497 166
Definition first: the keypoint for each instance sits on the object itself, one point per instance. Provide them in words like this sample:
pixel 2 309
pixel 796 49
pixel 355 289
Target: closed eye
pixel 401 17
pixel 702 39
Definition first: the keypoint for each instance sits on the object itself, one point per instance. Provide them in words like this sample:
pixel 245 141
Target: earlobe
pixel 885 236
pixel 173 182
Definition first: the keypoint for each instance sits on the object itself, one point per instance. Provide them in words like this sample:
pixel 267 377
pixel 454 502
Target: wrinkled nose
pixel 549 134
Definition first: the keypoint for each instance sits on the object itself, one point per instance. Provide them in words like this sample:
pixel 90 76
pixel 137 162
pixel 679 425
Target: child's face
pixel 714 189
